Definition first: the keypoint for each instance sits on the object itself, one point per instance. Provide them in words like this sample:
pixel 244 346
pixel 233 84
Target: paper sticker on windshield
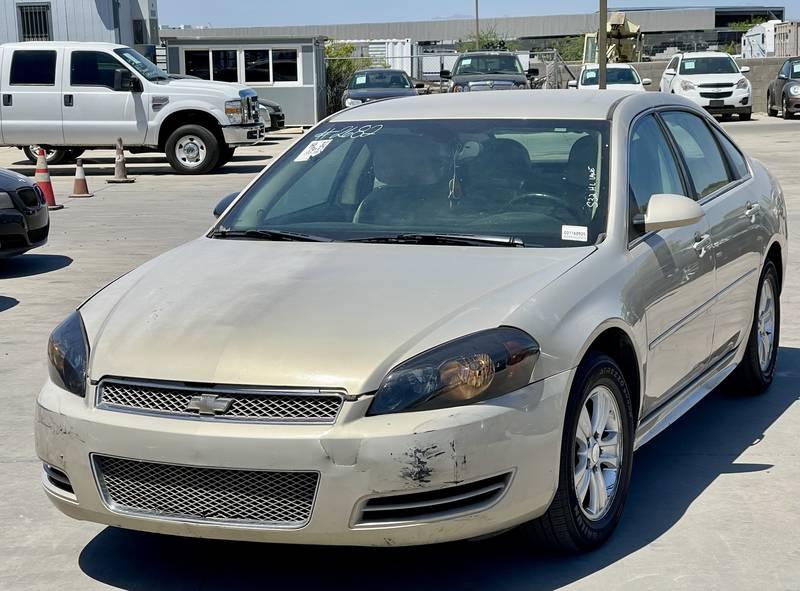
pixel 590 74
pixel 361 79
pixel 312 150
pixel 575 233
pixel 796 68
pixel 466 61
pixel 688 65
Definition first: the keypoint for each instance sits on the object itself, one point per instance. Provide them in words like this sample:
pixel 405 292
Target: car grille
pixel 252 405
pixel 716 85
pixel 716 95
pixel 207 495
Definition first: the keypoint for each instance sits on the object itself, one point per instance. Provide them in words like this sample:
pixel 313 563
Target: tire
pixel 75 153
pixel 225 155
pixel 746 116
pixel 567 525
pixel 752 376
pixel 786 114
pixel 52 155
pixel 771 110
pixel 192 149
pixel 727 116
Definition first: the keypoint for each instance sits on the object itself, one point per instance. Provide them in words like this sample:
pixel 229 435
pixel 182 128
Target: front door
pixel 666 79
pixel 94 113
pixel 675 279
pixel 31 97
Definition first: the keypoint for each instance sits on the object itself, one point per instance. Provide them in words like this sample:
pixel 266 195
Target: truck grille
pixel 206 495
pixel 250 109
pixel 220 403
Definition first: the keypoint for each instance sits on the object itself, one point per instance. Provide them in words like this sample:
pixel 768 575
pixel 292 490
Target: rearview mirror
pixel 572 84
pixel 224 203
pixel 744 69
pixel 123 80
pixel 670 72
pixel 646 82
pixel 666 211
pixel 445 74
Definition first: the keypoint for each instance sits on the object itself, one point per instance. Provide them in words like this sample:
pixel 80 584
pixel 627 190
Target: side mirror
pixel 572 84
pixel 445 74
pixel 123 80
pixel 533 72
pixel 670 72
pixel 666 211
pixel 419 85
pixel 646 82
pixel 744 69
pixel 782 76
pixel 224 203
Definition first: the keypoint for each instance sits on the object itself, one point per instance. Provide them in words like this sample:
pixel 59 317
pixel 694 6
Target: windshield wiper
pixel 268 235
pixel 446 239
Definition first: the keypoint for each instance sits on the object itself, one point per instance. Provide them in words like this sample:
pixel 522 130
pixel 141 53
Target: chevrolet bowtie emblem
pixel 209 404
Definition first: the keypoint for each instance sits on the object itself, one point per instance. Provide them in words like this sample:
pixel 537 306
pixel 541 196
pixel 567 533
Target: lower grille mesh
pixel 247 497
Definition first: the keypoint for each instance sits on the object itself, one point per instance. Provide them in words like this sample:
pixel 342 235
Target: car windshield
pixel 380 79
pixel 533 183
pixel 141 64
pixel 488 64
pixel 709 65
pixel 613 76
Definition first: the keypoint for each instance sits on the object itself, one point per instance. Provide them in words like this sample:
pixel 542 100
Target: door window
pixel 93 68
pixel 700 151
pixel 33 68
pixel 651 169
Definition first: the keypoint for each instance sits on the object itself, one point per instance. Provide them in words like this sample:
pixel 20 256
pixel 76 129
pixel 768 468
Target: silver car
pixel 425 323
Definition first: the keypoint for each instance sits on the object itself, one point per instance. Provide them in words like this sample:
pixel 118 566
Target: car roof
pixel 486 52
pixel 377 69
pixel 699 54
pixel 506 104
pixel 609 66
pixel 60 44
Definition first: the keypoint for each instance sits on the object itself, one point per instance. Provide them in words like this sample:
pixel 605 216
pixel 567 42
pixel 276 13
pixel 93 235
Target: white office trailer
pixel 287 70
pixel 759 41
pixel 127 22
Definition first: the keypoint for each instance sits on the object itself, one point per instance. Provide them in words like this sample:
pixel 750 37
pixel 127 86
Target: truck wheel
pixel 225 155
pixel 192 149
pixel 52 155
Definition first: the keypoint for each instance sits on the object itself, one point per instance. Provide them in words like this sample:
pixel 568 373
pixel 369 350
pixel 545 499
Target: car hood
pixel 11 181
pixel 369 94
pixel 228 89
pixel 333 315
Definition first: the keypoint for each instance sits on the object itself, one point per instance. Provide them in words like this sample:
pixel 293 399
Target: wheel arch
pixel 775 254
pixel 185 117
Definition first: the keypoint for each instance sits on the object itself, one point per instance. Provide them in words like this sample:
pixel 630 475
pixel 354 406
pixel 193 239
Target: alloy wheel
pixel 766 326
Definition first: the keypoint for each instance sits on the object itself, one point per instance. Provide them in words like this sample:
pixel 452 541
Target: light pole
pixel 477 28
pixel 601 44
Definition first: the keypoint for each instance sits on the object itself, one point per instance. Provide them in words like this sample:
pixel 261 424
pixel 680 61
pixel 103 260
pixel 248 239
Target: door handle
pixel 701 244
pixel 7 100
pixel 69 100
pixel 752 210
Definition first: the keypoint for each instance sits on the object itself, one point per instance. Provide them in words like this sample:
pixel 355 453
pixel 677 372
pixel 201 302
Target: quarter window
pixel 651 168
pixel 33 68
pixel 93 68
pixel 735 158
pixel 699 150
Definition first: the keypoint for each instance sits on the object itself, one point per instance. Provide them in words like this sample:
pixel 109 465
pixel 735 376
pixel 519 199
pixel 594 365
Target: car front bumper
pixel 729 101
pixel 793 102
pixel 20 232
pixel 357 459
pixel 243 135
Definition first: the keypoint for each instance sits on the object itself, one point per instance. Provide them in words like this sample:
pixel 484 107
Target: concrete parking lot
pixel 713 501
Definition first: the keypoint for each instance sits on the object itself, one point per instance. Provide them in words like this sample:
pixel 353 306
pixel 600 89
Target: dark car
pixel 487 70
pixel 24 219
pixel 783 93
pixel 378 83
pixel 271 112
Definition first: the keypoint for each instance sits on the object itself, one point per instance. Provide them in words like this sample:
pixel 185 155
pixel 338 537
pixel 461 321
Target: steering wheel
pixel 557 203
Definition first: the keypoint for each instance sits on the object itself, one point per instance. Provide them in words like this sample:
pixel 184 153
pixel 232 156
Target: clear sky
pixel 319 12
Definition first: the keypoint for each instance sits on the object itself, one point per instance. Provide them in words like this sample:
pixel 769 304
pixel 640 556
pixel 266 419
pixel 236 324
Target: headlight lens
pixel 686 85
pixel 351 102
pixel 742 84
pixel 460 87
pixel 794 90
pixel 233 110
pixel 470 369
pixel 5 201
pixel 68 355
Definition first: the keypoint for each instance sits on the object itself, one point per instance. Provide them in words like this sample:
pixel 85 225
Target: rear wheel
pixel 52 155
pixel 596 460
pixel 192 149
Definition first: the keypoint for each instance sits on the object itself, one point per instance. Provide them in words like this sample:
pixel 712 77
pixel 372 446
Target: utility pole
pixel 477 28
pixel 602 42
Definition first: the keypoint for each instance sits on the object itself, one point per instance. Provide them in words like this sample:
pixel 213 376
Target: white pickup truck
pixel 70 97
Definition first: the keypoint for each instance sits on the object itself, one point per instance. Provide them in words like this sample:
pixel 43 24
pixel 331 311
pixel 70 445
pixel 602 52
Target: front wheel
pixel 746 116
pixel 52 155
pixel 596 460
pixel 192 149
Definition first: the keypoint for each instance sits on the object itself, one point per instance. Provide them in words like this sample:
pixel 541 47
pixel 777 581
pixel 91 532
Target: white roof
pixel 503 104
pixel 699 54
pixel 609 66
pixel 59 44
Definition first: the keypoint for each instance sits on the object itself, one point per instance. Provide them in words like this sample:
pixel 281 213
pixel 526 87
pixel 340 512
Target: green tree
pixel 744 26
pixel 340 65
pixel 569 48
pixel 488 38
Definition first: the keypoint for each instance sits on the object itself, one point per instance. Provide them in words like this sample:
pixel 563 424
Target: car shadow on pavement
pixel 32 264
pixel 675 468
pixel 7 303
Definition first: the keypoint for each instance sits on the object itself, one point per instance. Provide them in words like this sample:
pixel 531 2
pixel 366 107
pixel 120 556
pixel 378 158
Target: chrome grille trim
pixel 250 405
pixel 174 492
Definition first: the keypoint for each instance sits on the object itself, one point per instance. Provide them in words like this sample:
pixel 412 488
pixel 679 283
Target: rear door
pixel 666 79
pixel 94 113
pixel 30 99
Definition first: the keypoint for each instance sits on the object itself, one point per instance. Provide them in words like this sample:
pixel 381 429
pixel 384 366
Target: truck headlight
pixel 686 85
pixel 460 87
pixel 233 110
pixel 794 90
pixel 351 102
pixel 68 355
pixel 471 369
pixel 742 84
pixel 5 201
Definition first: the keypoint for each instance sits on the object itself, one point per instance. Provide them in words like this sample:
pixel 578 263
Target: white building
pixel 759 41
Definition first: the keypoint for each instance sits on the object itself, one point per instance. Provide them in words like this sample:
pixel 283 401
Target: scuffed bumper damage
pixel 412 478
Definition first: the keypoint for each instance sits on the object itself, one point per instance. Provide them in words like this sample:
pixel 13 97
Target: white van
pixel 69 97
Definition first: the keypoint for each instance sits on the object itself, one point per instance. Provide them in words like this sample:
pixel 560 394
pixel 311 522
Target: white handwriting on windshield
pixel 351 132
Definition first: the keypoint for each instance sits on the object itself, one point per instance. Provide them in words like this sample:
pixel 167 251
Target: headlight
pixel 68 355
pixel 742 84
pixel 233 109
pixel 470 369
pixel 686 85
pixel 794 90
pixel 351 102
pixel 460 87
pixel 5 201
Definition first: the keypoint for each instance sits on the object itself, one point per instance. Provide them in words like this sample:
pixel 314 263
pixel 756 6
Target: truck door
pixel 30 96
pixel 94 113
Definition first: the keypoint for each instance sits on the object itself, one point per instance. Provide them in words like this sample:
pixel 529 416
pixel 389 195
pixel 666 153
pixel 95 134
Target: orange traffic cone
pixel 120 171
pixel 42 179
pixel 80 188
